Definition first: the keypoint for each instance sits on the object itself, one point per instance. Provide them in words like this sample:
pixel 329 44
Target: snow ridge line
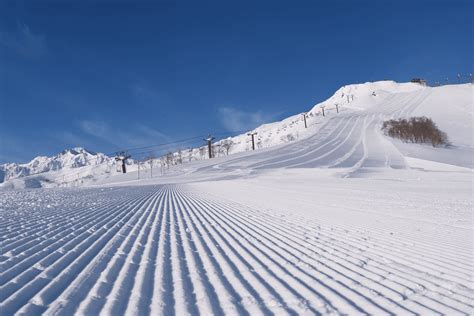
pixel 52 239
pixel 363 261
pixel 27 284
pixel 438 288
pixel 324 135
pixel 175 250
pixel 451 252
pixel 36 224
pixel 314 147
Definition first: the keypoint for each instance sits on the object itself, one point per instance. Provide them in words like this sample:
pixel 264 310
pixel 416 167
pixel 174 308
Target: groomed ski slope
pixel 350 143
pixel 353 142
pixel 179 249
pixel 342 221
pixel 350 140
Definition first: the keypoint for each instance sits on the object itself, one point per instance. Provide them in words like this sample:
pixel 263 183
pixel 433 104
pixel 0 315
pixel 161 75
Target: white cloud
pixel 96 128
pixel 134 136
pixel 70 138
pixel 236 120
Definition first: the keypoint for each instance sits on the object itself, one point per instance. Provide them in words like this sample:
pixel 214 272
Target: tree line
pixel 415 130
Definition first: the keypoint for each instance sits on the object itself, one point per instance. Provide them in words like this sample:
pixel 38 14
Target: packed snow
pixel 336 219
pixel 367 104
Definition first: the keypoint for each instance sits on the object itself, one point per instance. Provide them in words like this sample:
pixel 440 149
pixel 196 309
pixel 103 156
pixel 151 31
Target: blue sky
pixel 118 74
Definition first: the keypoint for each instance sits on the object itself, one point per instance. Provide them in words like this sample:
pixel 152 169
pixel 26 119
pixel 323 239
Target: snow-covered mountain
pixel 336 218
pixel 354 97
pixel 66 160
pixel 348 134
pixel 449 106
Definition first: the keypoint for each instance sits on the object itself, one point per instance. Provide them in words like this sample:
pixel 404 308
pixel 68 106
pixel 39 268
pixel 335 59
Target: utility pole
pixel 138 170
pixel 122 156
pixel 337 107
pixel 253 139
pixel 305 114
pixel 322 108
pixel 209 140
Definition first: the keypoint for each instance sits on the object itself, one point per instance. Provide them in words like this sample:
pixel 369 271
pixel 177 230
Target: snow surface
pixel 343 220
pixel 360 113
pixel 286 242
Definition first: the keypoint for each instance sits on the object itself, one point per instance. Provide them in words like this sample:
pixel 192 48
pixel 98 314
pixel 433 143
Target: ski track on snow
pixel 353 141
pixel 168 249
pixel 174 250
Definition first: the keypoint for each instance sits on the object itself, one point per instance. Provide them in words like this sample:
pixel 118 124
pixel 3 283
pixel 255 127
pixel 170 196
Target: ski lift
pixel 121 158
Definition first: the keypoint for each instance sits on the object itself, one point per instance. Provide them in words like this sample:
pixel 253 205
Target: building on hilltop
pixel 419 81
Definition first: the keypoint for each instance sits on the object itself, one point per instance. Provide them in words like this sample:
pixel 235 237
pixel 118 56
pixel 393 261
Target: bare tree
pixel 190 154
pixel 179 159
pixel 415 130
pixel 169 159
pixel 214 149
pixel 226 145
pixel 162 164
pixel 202 152
pixel 288 138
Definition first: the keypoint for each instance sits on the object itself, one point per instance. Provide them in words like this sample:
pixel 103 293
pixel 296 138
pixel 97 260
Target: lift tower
pixel 122 156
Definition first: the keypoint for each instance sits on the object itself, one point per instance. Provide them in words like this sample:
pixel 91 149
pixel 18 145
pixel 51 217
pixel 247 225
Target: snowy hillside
pixel 51 171
pixel 355 97
pixel 352 117
pixel 335 219
pixel 289 242
pixel 451 107
pixel 68 159
pixel 345 144
pixel 349 136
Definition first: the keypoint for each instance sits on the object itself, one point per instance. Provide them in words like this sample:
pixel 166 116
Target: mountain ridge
pixel 374 98
pixel 70 158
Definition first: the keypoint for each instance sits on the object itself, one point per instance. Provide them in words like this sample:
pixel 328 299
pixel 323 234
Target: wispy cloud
pixel 134 136
pixel 237 120
pixel 71 139
pixel 96 128
pixel 24 41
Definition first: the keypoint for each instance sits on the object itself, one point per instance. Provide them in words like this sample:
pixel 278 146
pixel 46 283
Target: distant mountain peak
pixel 67 159
pixel 77 151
